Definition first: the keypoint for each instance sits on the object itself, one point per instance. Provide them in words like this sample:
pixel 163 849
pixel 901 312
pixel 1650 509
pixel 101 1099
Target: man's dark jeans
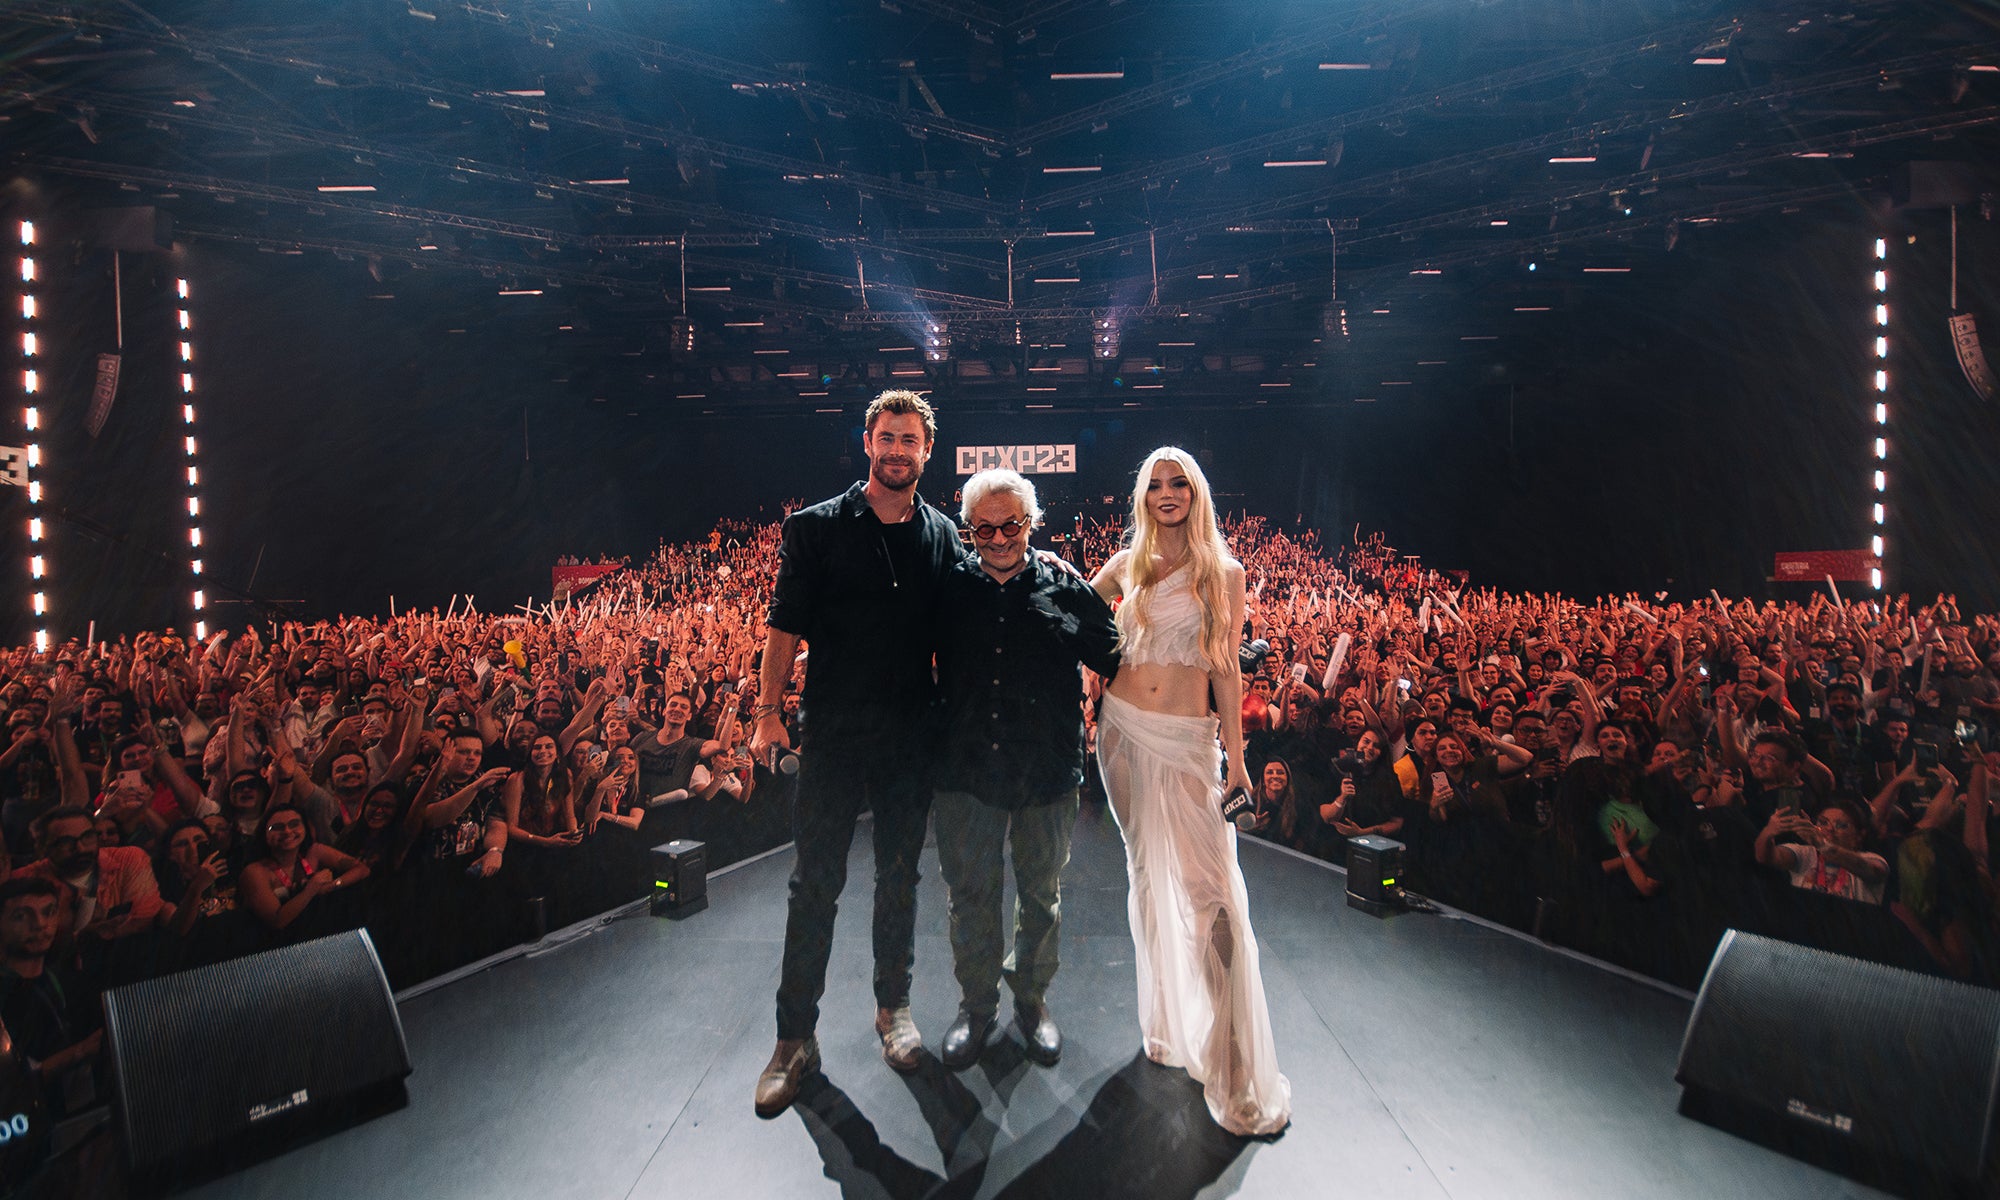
pixel 833 789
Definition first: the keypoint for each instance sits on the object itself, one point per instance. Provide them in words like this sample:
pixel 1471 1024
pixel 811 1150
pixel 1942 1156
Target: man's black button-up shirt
pixel 1007 665
pixel 863 595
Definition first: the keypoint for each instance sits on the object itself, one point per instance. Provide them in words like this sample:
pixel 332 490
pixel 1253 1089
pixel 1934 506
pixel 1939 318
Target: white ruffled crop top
pixel 1173 633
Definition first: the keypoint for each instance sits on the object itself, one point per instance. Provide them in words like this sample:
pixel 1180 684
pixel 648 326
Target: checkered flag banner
pixel 13 466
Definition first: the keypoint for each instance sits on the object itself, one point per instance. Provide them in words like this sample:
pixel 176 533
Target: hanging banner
pixel 569 580
pixel 103 393
pixel 14 466
pixel 1810 566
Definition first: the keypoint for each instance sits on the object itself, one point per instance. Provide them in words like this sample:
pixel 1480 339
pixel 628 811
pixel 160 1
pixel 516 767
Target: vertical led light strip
pixel 186 344
pixel 1881 479
pixel 31 423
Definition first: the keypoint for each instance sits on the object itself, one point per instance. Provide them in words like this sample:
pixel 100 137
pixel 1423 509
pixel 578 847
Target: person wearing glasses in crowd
pixel 107 892
pixel 1201 995
pixel 858 580
pixel 1011 632
pixel 280 886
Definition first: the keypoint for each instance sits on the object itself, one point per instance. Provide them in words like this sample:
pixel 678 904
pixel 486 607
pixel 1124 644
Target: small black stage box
pixel 1375 875
pixel 680 878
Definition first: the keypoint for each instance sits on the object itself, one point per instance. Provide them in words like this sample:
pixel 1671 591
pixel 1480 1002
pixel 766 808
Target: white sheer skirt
pixel 1201 996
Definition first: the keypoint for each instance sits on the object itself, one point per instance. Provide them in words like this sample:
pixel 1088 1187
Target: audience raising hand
pixel 1628 774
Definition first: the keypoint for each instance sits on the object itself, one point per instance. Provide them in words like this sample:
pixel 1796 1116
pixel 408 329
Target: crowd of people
pixel 456 781
pixel 1626 775
pixel 1633 776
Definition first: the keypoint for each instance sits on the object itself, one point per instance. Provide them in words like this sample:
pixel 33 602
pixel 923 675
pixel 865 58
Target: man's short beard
pixel 875 473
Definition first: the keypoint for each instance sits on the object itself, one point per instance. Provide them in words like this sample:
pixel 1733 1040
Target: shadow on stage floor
pixel 1146 1132
pixel 1429 1057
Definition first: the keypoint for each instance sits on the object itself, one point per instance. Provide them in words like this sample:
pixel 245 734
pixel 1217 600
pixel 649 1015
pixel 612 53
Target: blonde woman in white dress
pixel 1201 996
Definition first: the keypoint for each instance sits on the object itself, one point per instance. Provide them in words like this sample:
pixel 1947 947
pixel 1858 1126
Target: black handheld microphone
pixel 1237 806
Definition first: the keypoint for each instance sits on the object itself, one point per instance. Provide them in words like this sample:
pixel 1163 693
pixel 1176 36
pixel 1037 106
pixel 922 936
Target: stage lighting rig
pixel 1879 510
pixel 186 363
pixel 1105 339
pixel 937 342
pixel 31 422
pixel 1333 322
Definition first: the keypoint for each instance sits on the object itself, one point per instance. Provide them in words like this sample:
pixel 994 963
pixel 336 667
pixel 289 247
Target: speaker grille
pixel 205 1055
pixel 1903 1064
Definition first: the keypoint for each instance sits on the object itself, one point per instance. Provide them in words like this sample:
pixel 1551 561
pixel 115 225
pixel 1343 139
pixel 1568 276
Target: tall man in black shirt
pixel 858 580
pixel 1010 634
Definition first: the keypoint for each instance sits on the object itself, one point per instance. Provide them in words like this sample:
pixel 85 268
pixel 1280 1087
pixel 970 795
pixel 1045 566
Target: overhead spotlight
pixel 681 333
pixel 1333 322
pixel 1105 338
pixel 937 341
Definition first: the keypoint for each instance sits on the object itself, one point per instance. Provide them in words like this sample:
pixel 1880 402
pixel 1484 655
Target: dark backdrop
pixel 1664 430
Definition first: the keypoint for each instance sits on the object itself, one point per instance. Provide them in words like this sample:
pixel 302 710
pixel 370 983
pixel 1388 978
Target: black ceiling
pixel 832 179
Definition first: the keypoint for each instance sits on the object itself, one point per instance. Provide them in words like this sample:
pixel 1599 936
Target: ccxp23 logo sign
pixel 1028 460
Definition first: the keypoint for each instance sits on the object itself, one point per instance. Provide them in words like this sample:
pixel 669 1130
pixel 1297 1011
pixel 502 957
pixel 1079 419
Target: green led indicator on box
pixel 680 878
pixel 1388 883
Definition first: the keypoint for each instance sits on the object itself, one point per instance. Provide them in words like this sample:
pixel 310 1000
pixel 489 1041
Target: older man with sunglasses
pixel 1012 630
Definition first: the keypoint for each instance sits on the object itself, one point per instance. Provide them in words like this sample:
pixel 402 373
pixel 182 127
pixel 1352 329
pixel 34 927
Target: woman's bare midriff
pixel 1163 688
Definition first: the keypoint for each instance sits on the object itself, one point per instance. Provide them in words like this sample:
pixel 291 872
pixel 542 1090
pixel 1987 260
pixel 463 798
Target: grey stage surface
pixel 1428 1057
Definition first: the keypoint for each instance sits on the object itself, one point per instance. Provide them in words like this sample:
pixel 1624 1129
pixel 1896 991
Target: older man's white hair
pixel 988 484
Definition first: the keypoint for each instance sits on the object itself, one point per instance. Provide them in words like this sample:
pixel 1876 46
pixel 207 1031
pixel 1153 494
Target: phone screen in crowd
pixel 1298 672
pixel 1926 756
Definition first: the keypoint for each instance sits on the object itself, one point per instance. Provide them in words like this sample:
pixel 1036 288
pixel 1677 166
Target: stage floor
pixel 1429 1056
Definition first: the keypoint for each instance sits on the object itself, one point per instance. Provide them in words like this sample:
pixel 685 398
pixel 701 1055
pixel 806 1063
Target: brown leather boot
pixel 901 1043
pixel 791 1062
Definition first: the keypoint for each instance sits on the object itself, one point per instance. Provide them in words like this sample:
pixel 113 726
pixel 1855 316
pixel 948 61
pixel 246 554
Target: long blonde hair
pixel 1208 560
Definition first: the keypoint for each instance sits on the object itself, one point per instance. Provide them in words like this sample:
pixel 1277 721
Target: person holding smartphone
pixel 107 892
pixel 1827 854
pixel 1778 770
